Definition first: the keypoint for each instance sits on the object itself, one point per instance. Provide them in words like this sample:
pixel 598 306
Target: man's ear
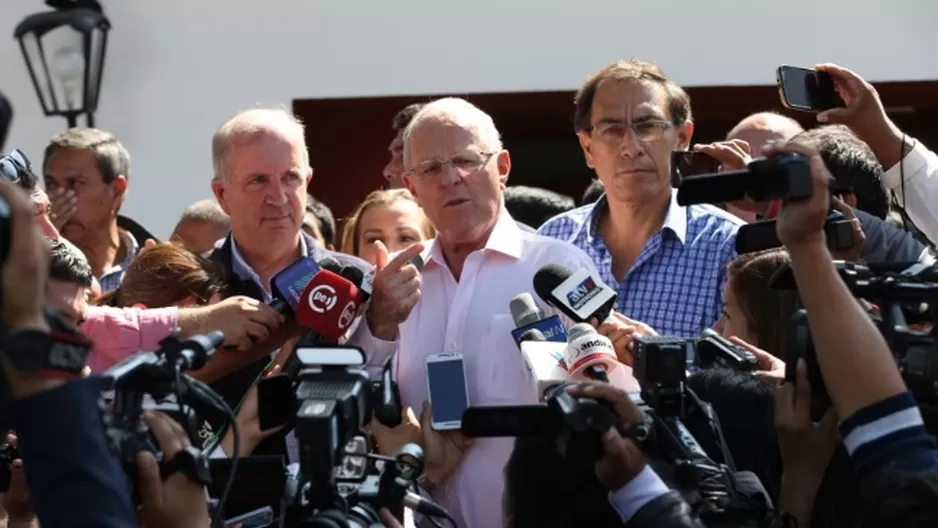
pixel 504 167
pixel 218 189
pixel 119 190
pixel 586 143
pixel 685 133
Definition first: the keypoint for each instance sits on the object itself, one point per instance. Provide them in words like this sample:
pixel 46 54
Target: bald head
pixel 760 129
pixel 251 124
pixel 456 112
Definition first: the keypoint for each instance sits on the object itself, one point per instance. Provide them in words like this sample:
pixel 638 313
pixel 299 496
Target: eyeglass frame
pixel 485 155
pixel 662 126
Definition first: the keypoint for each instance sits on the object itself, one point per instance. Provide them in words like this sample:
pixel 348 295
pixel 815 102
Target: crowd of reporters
pixel 832 439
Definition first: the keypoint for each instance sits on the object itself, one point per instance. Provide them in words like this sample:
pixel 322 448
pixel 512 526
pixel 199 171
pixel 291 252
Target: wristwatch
pixel 60 352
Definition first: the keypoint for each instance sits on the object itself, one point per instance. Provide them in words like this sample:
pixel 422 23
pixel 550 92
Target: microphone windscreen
pixel 579 330
pixel 533 335
pixel 524 310
pixel 288 285
pixel 328 305
pixel 330 263
pixel 548 278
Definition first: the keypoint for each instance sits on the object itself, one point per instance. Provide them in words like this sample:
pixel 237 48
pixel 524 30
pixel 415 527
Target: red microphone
pixel 328 305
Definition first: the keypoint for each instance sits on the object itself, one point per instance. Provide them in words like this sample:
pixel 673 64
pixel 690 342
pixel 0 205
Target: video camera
pixel 157 376
pixel 666 358
pixel 328 404
pixel 907 297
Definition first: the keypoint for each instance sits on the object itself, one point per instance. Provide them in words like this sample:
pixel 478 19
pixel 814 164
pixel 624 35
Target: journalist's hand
pixel 622 459
pixel 852 254
pixel 391 439
pixel 770 367
pixel 395 292
pixel 16 499
pixel 621 331
pixel 26 266
pixel 241 319
pixel 863 108
pixel 801 222
pixel 443 450
pixel 178 502
pixel 63 205
pixel 732 155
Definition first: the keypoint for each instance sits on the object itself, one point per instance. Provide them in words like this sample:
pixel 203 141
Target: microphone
pixel 579 295
pixel 528 316
pixel 421 505
pixel 544 361
pixel 589 355
pixel 364 282
pixel 287 286
pixel 328 305
pixel 331 263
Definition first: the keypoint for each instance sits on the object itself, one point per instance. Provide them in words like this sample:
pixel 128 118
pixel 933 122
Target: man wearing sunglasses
pixel 16 168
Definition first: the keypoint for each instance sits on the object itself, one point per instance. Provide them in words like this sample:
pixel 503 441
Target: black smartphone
pixel 686 163
pixel 806 90
pixel 800 345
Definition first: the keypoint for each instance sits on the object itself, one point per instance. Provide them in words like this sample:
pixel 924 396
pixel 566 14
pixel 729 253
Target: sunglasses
pixel 15 167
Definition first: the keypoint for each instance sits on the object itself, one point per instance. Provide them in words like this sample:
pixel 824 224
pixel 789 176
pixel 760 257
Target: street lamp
pixel 64 53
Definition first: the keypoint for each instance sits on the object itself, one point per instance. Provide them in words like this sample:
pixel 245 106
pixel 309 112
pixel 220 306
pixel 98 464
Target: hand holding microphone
pixel 621 331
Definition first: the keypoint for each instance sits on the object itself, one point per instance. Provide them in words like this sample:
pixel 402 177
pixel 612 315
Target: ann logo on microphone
pixel 583 293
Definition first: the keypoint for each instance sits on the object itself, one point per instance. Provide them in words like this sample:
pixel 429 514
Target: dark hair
pixel 745 406
pixel 630 70
pixel 113 159
pixel 852 164
pixel 165 275
pixel 68 264
pixel 405 116
pixel 767 310
pixel 593 192
pixel 534 206
pixel 324 215
pixel 532 473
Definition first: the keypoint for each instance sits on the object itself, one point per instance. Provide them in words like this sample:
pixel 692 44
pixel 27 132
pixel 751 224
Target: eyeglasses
pixel 464 163
pixel 613 132
pixel 15 166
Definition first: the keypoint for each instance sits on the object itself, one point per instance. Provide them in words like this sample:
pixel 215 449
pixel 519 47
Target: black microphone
pixel 332 264
pixel 364 282
pixel 579 295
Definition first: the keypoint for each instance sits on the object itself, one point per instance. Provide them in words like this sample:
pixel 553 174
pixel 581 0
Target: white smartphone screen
pixel 446 380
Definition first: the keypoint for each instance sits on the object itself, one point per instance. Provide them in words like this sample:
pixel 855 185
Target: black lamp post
pixel 64 53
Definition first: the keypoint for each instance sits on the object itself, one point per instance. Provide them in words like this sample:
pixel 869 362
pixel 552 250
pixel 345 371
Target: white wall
pixel 177 68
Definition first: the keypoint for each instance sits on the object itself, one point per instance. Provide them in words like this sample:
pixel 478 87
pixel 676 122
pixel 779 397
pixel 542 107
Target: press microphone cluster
pixel 578 295
pixel 317 297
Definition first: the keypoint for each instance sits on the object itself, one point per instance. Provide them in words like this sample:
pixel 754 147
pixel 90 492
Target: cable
pixel 209 396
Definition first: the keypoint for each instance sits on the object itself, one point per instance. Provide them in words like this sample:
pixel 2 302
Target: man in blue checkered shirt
pixel 667 262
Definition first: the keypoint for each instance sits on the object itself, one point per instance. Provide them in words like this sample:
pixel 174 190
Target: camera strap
pixel 191 462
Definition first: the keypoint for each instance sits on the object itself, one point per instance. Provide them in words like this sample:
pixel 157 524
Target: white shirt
pixel 920 200
pixel 472 316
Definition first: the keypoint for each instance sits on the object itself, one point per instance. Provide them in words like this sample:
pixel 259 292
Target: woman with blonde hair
pixel 391 217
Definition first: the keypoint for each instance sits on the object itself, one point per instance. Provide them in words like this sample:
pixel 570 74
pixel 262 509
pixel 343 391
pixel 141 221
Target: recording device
pixel 528 316
pixel 589 355
pixel 686 163
pixel 447 389
pixel 807 90
pixel 760 236
pixel 333 401
pixel 578 295
pixel 778 177
pixel 544 361
pixel 907 294
pixel 318 299
pixel 159 375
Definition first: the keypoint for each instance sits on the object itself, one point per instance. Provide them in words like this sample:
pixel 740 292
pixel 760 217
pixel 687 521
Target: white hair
pixel 456 111
pixel 250 123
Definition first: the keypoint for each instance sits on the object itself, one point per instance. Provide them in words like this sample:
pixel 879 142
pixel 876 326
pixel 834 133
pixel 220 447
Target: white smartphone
pixel 446 385
pixel 259 518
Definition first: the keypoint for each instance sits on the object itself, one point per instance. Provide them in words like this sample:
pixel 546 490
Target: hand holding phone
pixel 806 89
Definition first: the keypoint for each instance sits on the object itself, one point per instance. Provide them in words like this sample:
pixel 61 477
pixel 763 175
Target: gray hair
pixel 250 123
pixel 113 159
pixel 454 110
pixel 206 211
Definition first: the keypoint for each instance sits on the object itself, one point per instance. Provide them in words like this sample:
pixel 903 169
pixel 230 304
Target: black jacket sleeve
pixel 667 511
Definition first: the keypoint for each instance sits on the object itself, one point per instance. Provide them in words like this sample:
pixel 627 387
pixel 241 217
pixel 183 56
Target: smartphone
pixel 259 518
pixel 806 90
pixel 686 163
pixel 800 345
pixel 446 385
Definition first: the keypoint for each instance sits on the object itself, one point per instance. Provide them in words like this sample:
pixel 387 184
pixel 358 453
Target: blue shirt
pixel 676 283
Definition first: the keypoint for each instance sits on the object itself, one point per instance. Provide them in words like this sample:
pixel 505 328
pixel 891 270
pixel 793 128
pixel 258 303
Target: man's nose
pixel 631 146
pixel 276 193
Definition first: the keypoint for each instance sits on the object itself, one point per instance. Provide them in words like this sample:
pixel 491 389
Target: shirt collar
pixel 131 246
pixel 675 220
pixel 243 270
pixel 505 239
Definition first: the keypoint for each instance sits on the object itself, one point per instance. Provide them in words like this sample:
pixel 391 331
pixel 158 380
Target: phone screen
pixel 259 518
pixel 807 89
pixel 686 163
pixel 447 385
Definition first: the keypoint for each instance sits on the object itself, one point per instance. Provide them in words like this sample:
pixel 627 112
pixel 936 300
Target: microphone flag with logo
pixel 288 286
pixel 328 305
pixel 579 295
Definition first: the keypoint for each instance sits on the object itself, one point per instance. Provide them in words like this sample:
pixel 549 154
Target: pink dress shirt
pixel 116 333
pixel 472 316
